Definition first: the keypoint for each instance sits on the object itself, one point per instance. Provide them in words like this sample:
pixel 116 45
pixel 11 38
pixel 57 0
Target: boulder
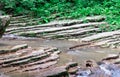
pixel 90 64
pixel 4 22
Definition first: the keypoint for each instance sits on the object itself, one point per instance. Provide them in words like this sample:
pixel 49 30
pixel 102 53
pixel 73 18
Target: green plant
pixel 49 10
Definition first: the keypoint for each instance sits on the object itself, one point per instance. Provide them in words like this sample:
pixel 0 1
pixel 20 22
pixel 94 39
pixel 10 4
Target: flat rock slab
pixel 55 29
pixel 73 70
pixel 111 56
pixel 100 35
pixel 14 48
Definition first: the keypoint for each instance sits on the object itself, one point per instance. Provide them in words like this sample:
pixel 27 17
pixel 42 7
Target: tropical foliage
pixel 63 9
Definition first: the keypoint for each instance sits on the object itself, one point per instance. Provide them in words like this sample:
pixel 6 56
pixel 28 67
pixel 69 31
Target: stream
pixel 76 55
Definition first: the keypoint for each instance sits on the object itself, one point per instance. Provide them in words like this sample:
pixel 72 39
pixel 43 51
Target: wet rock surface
pixel 90 68
pixel 41 60
pixel 104 68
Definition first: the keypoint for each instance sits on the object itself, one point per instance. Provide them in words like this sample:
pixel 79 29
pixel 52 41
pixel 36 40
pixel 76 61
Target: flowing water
pixel 77 55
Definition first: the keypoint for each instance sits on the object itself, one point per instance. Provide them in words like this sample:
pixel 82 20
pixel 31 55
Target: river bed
pixel 76 55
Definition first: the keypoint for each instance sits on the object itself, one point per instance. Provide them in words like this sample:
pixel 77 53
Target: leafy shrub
pixel 46 9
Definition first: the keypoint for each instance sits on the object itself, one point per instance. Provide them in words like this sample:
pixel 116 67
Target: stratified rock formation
pixel 86 29
pixel 22 58
pixel 4 22
pixel 64 28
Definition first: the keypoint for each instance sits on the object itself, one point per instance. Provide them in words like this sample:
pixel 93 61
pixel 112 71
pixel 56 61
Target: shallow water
pixel 77 55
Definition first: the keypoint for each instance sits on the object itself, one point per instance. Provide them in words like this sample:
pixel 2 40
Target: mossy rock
pixel 4 22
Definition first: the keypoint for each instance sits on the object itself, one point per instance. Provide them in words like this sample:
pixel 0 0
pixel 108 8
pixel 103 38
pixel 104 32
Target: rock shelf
pixel 25 58
pixel 84 30
pixel 55 26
